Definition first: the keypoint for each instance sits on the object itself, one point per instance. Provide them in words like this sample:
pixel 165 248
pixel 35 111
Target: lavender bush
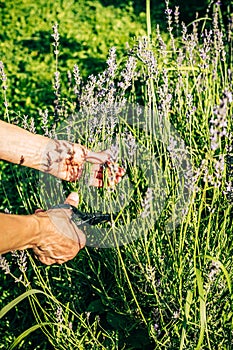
pixel 168 289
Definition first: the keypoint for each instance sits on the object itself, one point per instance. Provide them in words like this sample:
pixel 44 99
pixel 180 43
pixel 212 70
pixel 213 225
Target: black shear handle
pixel 81 218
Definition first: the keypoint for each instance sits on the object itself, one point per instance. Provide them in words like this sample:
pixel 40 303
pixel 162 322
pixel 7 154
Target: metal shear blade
pixel 81 218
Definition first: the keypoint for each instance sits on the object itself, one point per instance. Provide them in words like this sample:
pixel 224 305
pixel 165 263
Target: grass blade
pixel 187 310
pixel 26 333
pixel 202 308
pixel 17 300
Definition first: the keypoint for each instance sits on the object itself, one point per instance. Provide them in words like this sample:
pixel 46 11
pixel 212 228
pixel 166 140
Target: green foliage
pixel 167 289
pixel 87 30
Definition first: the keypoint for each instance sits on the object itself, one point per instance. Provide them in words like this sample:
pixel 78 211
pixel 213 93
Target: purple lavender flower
pixel 3 76
pixel 218 123
pixel 147 202
pixel 21 258
pixel 4 265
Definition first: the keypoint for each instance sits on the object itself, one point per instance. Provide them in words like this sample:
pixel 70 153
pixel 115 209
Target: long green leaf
pixel 187 310
pixel 17 300
pixel 26 333
pixel 202 308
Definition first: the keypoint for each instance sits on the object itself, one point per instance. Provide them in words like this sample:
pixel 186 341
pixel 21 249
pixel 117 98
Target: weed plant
pixel 167 289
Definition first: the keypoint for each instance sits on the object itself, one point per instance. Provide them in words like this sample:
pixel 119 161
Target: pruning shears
pixel 80 218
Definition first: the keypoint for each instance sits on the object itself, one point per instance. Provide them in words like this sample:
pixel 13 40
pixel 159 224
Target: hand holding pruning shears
pixel 51 234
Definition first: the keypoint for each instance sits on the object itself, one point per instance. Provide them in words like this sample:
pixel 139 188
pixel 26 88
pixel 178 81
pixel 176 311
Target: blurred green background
pixel 87 31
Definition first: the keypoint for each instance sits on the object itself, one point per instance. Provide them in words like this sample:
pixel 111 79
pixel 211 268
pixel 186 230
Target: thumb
pixel 72 199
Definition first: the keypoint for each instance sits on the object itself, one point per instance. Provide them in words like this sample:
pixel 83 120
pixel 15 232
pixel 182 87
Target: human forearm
pixel 60 158
pixel 39 152
pixel 18 232
pixel 20 146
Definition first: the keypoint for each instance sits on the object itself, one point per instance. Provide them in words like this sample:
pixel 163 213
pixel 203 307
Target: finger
pixel 98 157
pixel 96 175
pixel 118 179
pixel 72 199
pixel 119 175
pixel 96 178
pixel 105 156
pixel 96 182
pixel 121 171
pixel 80 239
